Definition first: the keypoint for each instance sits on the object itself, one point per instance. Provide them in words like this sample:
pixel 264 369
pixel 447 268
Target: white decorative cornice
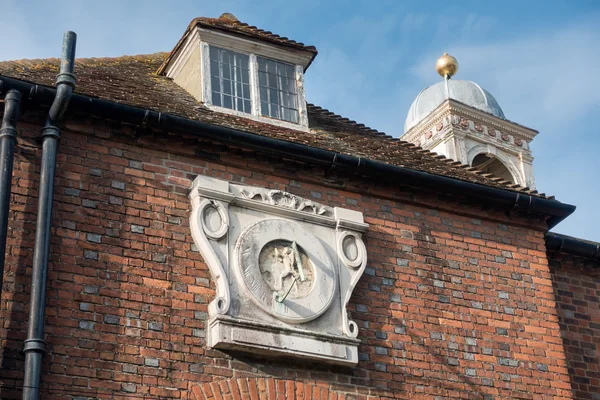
pixel 452 107
pixel 503 125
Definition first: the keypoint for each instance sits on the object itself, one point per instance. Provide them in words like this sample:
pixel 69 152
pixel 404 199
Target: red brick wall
pixel 456 301
pixel 577 289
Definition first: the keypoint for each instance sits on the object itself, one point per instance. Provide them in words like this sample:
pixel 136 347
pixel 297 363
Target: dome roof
pixel 466 92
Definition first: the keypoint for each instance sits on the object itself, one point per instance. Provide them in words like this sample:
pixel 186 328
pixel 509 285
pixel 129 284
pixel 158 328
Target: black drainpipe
pixel 35 347
pixel 8 139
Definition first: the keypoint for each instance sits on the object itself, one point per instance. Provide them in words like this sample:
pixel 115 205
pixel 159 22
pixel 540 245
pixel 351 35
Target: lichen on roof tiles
pixel 133 80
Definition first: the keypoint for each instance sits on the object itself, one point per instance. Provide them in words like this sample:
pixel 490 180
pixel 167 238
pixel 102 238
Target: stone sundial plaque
pixel 284 269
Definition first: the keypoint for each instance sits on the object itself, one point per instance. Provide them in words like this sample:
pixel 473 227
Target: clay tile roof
pixel 133 80
pixel 231 25
pixel 234 26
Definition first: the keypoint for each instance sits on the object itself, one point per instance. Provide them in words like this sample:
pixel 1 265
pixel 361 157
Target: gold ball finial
pixel 229 17
pixel 446 65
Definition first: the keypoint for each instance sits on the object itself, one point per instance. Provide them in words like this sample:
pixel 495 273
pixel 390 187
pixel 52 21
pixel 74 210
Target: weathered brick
pixel 128 290
pixel 151 362
pixel 72 192
pixel 118 185
pixel 129 387
pixel 137 229
pixel 92 237
pixel 89 325
pixel 155 326
pixel 111 319
pixel 90 255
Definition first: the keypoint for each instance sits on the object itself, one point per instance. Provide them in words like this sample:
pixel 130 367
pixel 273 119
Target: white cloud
pixel 544 79
pixel 360 80
pixel 550 82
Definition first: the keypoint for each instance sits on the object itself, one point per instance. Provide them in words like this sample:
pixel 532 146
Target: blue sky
pixel 538 58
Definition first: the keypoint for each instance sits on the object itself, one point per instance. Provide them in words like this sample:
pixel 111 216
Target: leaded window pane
pixel 216 99
pixel 230 78
pixel 227 102
pixel 278 98
pixel 294 116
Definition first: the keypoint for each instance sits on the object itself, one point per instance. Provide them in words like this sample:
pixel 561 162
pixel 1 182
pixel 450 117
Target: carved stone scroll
pixel 284 269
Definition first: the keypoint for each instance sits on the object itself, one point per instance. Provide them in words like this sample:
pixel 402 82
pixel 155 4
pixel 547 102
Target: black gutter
pixel 555 210
pixel 8 139
pixel 35 346
pixel 571 245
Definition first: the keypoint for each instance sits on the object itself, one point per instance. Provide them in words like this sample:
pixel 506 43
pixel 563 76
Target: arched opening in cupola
pixel 491 165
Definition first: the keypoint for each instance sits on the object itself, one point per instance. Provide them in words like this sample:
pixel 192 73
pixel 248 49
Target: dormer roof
pixel 229 24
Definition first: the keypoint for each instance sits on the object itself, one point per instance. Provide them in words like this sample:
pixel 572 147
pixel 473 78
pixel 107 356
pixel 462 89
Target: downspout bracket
pixel 66 78
pixel 37 345
pixel 50 131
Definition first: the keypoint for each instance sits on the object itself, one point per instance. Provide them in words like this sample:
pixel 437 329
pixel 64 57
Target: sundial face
pixel 281 271
pixel 286 270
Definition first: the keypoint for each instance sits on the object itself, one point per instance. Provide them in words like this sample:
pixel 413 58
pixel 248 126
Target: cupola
pixel 464 122
pixel 238 69
pixel 466 92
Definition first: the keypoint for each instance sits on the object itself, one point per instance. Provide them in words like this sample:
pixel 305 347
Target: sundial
pixel 284 269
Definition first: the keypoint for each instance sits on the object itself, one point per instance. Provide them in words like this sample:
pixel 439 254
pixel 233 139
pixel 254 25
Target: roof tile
pixel 231 25
pixel 132 80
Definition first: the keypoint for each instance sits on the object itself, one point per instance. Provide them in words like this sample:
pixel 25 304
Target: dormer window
pixel 230 84
pixel 273 95
pixel 230 79
pixel 238 69
pixel 278 93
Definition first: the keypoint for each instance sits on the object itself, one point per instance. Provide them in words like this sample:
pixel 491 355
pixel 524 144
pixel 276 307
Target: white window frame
pixel 252 49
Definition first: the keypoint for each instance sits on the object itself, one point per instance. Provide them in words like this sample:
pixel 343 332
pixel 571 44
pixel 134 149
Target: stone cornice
pixel 452 107
pixel 503 125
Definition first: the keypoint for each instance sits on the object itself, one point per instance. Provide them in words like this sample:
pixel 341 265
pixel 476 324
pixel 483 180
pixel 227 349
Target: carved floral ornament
pixel 473 126
pixel 284 269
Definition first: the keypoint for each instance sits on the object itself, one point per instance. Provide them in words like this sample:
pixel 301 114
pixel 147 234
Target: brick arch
pixel 265 389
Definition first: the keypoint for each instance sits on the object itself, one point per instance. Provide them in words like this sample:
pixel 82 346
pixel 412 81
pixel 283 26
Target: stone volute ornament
pixel 284 268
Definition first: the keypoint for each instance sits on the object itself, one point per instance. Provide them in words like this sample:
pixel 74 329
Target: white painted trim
pixel 497 143
pixel 241 45
pixel 500 155
pixel 205 73
pixel 266 120
pixel 224 332
pixel 302 112
pixel 182 57
pixel 254 86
